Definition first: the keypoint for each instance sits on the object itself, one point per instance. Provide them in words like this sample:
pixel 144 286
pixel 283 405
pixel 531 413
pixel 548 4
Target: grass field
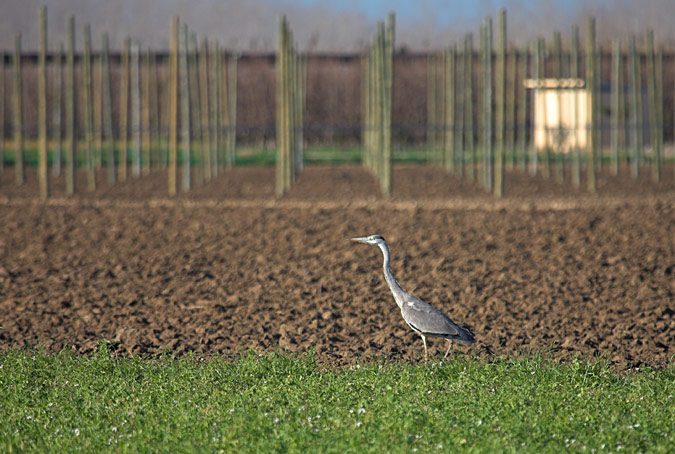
pixel 287 403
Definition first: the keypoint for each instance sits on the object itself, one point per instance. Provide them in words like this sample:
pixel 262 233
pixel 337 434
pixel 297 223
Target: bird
pixel 420 316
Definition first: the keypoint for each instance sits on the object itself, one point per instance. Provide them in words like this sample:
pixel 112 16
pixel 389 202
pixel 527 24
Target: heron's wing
pixel 429 320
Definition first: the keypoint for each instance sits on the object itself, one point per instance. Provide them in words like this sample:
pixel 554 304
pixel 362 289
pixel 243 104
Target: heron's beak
pixel 359 239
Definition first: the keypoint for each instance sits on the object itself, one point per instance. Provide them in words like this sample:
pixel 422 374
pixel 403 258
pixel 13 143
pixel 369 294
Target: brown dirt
pixel 227 268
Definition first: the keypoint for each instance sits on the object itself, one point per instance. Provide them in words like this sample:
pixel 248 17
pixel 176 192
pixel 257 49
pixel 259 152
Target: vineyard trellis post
pixel 379 77
pixel 559 155
pixel 289 101
pixel 2 113
pixel 500 115
pixel 108 132
pixel 195 108
pixel 43 174
pixel 206 125
pixel 522 111
pixel 654 123
pixel 173 109
pixel 488 150
pixel 590 116
pixel 469 141
pixel 511 112
pixel 186 144
pixel 17 97
pixel 71 139
pixel 432 96
pixel 615 106
pixel 88 110
pixel 124 111
pixel 634 103
pixel 57 113
pixel 449 149
pixel 216 159
pixel 231 103
pixel 145 112
pixel 534 157
pixel 135 104
pixel 574 73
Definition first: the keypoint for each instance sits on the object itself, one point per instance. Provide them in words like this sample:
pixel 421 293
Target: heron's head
pixel 375 240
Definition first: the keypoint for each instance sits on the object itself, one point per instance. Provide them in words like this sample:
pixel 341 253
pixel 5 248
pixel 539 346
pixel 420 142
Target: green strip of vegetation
pixel 287 403
pixel 318 154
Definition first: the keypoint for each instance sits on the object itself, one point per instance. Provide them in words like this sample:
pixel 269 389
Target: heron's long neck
pixel 395 288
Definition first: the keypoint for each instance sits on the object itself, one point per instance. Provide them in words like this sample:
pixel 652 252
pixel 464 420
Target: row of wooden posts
pixel 199 107
pixel 291 72
pixel 378 78
pixel 499 140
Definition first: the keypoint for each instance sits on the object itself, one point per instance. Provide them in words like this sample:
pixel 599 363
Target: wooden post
pixel 185 109
pixel 124 111
pixel 379 87
pixel 488 175
pixel 135 98
pixel 195 107
pixel 43 174
pixel 431 106
pixel 510 122
pixel 640 111
pixel 232 83
pixel 145 113
pixel 574 73
pixel 206 127
pixel 173 109
pixel 2 113
pixel 97 112
pixel 280 74
pixel 653 109
pixel 217 159
pixel 658 68
pixel 56 112
pixel 449 154
pixel 18 112
pixel 597 108
pixel 156 156
pixel 634 106
pixel 522 112
pixel 377 105
pixel 541 51
pixel 289 175
pixel 297 116
pixel 500 106
pixel 107 120
pixel 459 116
pixel 616 111
pixel 388 97
pixel 71 140
pixel 591 120
pixel 88 110
pixel 298 163
pixel 558 153
pixel 469 141
pixel 287 118
pixel 364 109
pixel 534 155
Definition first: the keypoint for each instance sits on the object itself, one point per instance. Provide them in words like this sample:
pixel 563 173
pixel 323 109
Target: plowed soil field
pixel 227 267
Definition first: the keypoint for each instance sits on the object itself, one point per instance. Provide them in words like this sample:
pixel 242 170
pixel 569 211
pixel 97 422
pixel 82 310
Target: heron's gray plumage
pixel 422 317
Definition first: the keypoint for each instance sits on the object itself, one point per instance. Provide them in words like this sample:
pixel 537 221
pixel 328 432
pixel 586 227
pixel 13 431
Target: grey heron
pixel 421 317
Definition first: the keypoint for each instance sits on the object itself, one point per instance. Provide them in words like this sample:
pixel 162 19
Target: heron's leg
pixel 448 351
pixel 424 339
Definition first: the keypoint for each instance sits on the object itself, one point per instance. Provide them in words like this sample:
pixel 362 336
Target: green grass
pixel 262 156
pixel 286 403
